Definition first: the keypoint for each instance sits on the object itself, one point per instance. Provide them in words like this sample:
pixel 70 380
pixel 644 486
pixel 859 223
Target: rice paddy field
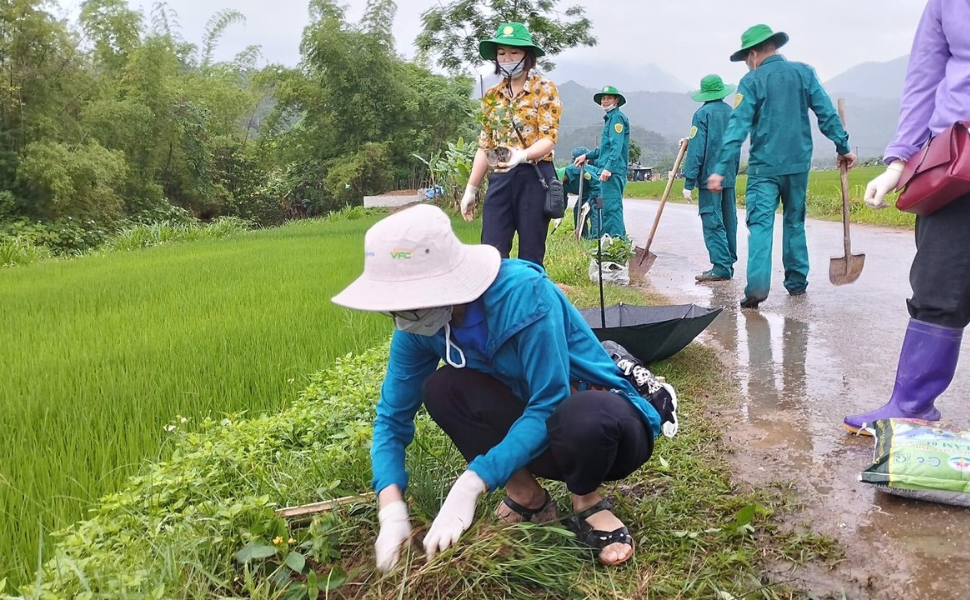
pixel 824 196
pixel 103 354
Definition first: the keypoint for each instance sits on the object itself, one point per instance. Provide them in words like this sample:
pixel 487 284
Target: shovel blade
pixel 846 269
pixel 642 261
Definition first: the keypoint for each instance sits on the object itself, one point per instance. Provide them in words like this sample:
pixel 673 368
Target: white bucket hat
pixel 413 260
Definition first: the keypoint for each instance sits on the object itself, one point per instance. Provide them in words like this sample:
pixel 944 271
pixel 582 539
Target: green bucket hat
pixel 508 34
pixel 754 36
pixel 712 88
pixel 609 91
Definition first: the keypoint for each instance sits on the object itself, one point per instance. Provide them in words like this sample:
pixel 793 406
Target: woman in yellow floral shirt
pixel 522 114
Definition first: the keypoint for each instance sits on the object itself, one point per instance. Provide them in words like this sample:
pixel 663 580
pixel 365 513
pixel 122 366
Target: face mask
pixel 512 70
pixel 427 321
pixel 608 108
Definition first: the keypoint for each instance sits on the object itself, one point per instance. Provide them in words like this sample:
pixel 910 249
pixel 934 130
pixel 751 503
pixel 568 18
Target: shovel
pixel 643 259
pixel 845 269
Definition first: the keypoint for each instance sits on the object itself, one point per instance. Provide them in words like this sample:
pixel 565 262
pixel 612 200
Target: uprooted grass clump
pixel 203 523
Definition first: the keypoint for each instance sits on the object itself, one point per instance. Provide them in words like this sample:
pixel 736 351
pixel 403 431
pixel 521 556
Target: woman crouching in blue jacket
pixel 528 391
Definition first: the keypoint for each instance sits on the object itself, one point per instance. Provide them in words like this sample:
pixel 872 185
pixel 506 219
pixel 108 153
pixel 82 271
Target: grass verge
pixel 824 197
pixel 201 524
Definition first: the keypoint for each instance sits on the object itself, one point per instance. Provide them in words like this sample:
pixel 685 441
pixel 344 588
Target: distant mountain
pixel 871 80
pixel 652 145
pixel 625 75
pixel 666 113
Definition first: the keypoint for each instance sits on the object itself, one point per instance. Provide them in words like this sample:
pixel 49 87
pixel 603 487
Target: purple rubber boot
pixel 927 363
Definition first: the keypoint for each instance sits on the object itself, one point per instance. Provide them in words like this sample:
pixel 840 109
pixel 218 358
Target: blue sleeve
pixel 828 118
pixel 541 348
pixel 411 362
pixel 739 126
pixel 593 154
pixel 696 150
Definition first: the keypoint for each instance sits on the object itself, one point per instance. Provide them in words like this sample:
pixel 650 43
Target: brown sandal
pixel 547 513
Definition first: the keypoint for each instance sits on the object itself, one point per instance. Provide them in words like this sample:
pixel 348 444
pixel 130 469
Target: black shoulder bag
pixel 554 205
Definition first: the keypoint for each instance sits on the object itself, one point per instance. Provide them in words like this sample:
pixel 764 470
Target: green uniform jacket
pixel 591 183
pixel 772 105
pixel 613 153
pixel 706 137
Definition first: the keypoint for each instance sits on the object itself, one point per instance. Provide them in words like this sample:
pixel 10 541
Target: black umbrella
pixel 651 333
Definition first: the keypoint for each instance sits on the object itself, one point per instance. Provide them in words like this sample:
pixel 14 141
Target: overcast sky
pixel 686 38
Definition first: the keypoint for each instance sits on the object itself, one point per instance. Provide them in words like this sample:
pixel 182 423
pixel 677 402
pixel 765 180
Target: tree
pixel 635 151
pixel 452 31
pixel 358 110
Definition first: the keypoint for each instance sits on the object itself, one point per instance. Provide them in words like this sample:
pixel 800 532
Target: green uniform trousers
pixel 612 192
pixel 763 195
pixel 719 218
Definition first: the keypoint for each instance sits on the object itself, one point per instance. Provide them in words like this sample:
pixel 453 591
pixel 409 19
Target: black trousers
pixel 940 275
pixel 514 204
pixel 594 436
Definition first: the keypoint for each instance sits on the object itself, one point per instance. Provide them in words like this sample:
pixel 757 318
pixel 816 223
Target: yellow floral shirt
pixel 537 110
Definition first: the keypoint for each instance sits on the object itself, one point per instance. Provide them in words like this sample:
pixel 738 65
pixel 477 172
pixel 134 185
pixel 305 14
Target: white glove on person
pixel 518 157
pixel 395 530
pixel 456 514
pixel 687 196
pixel 883 184
pixel 468 201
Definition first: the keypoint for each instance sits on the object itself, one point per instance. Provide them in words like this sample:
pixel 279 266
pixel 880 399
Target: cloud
pixel 687 38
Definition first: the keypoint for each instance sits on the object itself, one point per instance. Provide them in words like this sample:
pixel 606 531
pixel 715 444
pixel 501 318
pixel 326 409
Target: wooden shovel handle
pixel 663 199
pixel 844 177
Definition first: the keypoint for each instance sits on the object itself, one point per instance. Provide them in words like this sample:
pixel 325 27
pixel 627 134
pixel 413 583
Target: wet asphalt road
pixel 804 362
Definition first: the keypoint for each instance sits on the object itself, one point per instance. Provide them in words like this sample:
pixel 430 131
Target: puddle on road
pixel 793 389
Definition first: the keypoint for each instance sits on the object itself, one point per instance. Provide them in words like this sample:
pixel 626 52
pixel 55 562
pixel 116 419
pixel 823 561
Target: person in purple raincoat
pixel 936 95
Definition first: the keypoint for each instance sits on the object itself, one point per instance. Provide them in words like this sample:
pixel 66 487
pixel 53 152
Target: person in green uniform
pixel 611 158
pixel 772 105
pixel 718 210
pixel 591 189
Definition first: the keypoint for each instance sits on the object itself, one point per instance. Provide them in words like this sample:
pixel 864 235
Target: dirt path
pixel 805 362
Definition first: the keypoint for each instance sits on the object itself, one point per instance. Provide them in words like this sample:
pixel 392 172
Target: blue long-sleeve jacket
pixel 537 344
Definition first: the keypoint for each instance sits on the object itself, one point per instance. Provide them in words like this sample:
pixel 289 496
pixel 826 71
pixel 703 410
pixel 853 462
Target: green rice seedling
pixel 109 350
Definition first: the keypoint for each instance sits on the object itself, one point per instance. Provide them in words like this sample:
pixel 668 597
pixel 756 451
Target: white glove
pixel 883 184
pixel 518 157
pixel 468 202
pixel 687 196
pixel 456 514
pixel 395 530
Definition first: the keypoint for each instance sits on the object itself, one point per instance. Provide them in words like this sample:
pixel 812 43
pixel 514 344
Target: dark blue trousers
pixel 513 204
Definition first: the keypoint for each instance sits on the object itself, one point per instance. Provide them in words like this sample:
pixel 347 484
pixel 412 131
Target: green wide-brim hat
pixel 754 36
pixel 609 91
pixel 712 88
pixel 508 34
